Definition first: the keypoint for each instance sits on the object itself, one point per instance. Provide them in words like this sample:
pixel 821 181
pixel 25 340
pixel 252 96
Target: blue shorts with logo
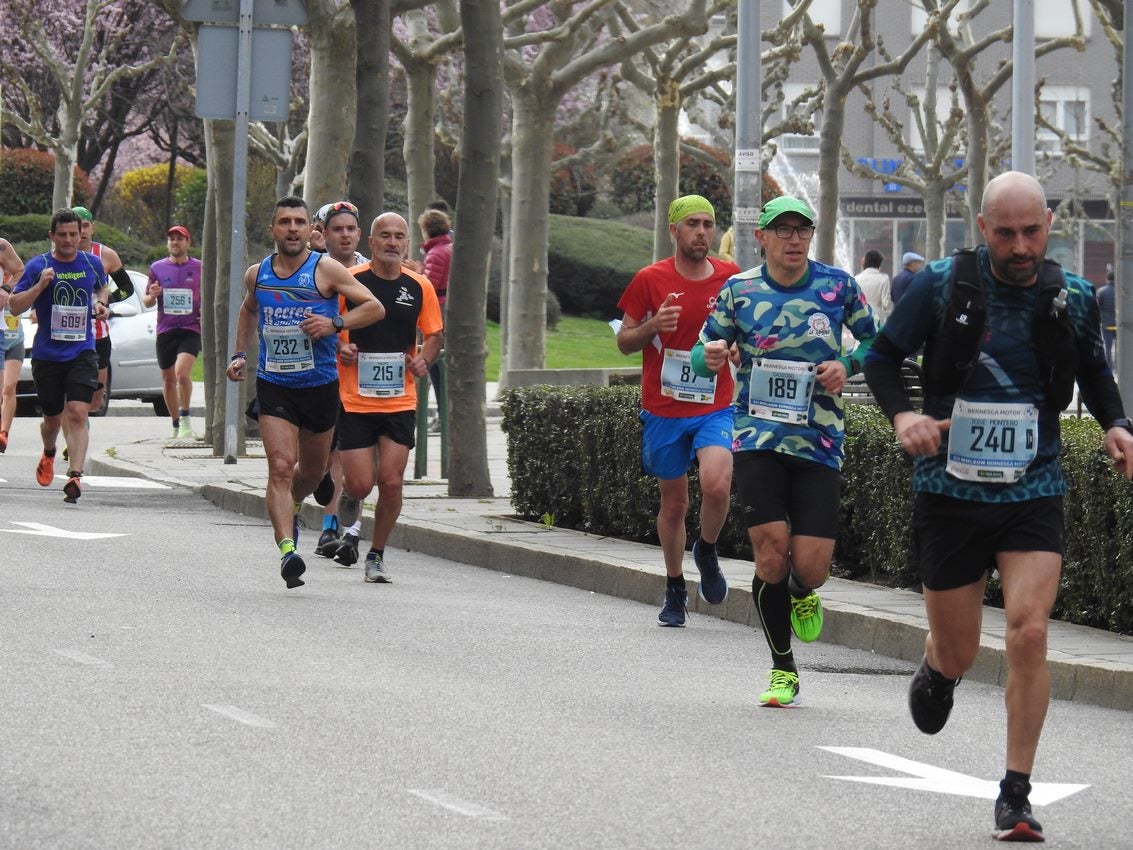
pixel 669 444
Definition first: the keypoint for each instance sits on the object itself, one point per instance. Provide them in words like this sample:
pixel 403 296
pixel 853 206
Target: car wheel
pixel 160 408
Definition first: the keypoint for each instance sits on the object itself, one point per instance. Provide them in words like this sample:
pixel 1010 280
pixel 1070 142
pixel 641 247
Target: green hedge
pixel 574 454
pixel 590 262
pixel 28 235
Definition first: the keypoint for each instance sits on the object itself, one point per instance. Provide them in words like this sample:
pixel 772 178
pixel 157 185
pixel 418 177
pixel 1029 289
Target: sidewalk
pixel 1087 665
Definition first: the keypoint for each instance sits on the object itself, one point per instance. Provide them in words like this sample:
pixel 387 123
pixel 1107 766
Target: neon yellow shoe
pixel 806 617
pixel 783 691
pixel 185 429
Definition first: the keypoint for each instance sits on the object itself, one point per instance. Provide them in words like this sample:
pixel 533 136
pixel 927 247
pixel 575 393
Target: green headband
pixel 686 205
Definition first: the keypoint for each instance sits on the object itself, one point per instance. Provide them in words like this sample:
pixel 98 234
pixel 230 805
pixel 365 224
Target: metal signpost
pixel 243 73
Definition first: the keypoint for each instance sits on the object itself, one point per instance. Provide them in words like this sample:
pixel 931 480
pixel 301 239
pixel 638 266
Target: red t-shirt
pixel 697 299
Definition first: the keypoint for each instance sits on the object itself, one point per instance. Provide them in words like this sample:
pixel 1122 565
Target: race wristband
pixel 239 355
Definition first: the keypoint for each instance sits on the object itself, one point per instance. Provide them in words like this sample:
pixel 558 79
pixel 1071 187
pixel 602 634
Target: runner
pixel 115 271
pixel 175 287
pixel 12 267
pixel 685 418
pixel 787 317
pixel 66 289
pixel 378 365
pixel 293 297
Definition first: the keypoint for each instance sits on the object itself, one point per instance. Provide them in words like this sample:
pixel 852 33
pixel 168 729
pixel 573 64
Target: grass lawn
pixel 576 343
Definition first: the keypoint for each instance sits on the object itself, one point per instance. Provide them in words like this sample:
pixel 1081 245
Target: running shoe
pixel 676 604
pixel 184 430
pixel 45 471
pixel 71 490
pixel 1013 820
pixel 291 566
pixel 324 492
pixel 347 552
pixel 783 691
pixel 806 617
pixel 3 441
pixel 713 587
pixel 328 542
pixel 930 698
pixel 376 569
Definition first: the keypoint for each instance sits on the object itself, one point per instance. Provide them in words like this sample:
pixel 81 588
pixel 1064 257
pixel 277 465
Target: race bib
pixel 992 442
pixel 177 302
pixel 679 382
pixel 287 349
pixel 69 324
pixel 381 374
pixel 781 390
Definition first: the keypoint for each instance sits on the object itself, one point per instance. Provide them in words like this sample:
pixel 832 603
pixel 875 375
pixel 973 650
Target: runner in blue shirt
pixel 987 478
pixel 67 289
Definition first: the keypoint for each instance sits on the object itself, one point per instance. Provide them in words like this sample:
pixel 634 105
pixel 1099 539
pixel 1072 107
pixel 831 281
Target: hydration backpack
pixel 954 348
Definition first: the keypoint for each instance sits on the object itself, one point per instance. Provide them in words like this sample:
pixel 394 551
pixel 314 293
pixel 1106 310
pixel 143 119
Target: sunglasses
pixel 328 210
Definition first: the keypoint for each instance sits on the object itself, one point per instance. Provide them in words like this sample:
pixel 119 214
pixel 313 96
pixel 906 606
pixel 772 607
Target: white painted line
pixel 241 716
pixel 82 658
pixel 42 530
pixel 455 804
pixel 941 781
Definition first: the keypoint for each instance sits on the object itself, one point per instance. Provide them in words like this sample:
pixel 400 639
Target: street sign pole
pixel 747 197
pixel 236 256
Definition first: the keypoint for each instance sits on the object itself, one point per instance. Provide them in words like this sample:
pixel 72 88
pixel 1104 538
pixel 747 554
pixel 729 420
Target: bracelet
pixel 6 288
pixel 239 355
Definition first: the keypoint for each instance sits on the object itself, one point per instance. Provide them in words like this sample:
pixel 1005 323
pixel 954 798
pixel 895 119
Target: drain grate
pixel 858 671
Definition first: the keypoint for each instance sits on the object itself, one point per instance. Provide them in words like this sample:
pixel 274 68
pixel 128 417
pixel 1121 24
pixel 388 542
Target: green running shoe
pixel 783 691
pixel 806 617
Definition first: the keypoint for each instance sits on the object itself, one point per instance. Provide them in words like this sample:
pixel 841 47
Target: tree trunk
pixel 332 107
pixel 829 163
pixel 478 186
pixel 222 135
pixel 934 210
pixel 367 160
pixel 666 164
pixel 420 165
pixel 505 254
pixel 532 131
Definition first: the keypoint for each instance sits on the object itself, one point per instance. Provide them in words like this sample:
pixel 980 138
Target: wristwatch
pixel 337 322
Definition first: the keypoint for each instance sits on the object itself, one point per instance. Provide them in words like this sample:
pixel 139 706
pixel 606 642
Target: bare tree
pixel 367 159
pixel 466 348
pixel 330 29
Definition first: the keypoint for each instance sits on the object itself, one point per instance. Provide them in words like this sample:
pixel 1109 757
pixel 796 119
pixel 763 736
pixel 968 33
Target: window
pixel 1068 109
pixel 791 142
pixel 828 13
pixel 1055 18
pixel 920 18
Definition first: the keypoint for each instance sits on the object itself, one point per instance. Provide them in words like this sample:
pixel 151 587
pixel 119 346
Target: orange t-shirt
pixel 387 386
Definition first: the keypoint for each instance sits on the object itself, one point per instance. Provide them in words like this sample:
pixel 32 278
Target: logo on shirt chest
pixel 404 298
pixel 818 324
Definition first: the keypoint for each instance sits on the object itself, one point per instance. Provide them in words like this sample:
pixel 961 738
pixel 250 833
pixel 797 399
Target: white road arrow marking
pixel 51 531
pixel 941 781
pixel 82 657
pixel 455 804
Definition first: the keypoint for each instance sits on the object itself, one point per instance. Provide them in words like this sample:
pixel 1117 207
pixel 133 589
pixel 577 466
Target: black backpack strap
pixel 1053 339
pixel 954 347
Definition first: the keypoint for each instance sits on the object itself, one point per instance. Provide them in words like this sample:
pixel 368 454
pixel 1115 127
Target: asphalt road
pixel 162 688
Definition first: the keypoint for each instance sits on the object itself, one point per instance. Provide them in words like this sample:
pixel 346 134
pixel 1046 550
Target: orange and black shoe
pixel 71 490
pixel 3 441
pixel 45 470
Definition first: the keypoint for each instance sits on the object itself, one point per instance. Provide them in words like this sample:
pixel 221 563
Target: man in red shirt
pixel 684 416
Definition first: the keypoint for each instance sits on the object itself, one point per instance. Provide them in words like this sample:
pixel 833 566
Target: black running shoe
pixel 930 698
pixel 72 490
pixel 1013 821
pixel 324 492
pixel 347 552
pixel 713 587
pixel 673 612
pixel 291 566
pixel 328 543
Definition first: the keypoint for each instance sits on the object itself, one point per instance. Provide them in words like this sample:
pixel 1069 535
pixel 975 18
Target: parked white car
pixel 133 358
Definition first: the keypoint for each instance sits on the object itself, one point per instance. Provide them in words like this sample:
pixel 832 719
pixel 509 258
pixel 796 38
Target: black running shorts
pixel 60 381
pixel 362 430
pixel 174 342
pixel 955 541
pixel 777 487
pixel 313 409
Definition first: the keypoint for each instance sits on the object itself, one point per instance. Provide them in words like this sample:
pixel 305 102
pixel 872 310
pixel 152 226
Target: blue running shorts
pixel 669 444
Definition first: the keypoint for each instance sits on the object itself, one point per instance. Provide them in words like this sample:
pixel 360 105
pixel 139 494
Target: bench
pixel 857 391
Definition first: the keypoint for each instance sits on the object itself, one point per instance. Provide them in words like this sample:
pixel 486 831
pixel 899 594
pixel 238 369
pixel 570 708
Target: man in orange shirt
pixel 377 366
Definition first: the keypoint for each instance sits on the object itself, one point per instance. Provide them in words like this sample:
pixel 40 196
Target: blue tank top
pixel 288 356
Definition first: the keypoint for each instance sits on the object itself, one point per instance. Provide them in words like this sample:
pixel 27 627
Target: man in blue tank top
pixel 292 298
